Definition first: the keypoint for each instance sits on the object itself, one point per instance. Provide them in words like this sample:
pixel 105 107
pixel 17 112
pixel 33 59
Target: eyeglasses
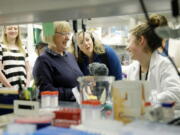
pixel 64 33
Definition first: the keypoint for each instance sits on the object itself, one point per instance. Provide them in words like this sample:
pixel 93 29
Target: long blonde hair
pixel 98 47
pixel 18 39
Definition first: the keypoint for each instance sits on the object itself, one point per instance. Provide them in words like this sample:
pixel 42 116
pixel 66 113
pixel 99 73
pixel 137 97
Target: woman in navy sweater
pixel 55 69
pixel 92 50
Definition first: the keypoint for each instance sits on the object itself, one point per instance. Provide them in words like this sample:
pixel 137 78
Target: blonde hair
pixel 18 39
pixel 98 47
pixel 61 26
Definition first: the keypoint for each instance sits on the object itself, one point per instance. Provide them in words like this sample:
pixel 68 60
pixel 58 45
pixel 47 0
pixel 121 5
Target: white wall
pixel 174 51
pixel 30 45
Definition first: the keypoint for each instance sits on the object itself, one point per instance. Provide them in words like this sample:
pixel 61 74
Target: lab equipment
pixel 129 98
pixel 45 99
pixel 148 107
pixel 54 99
pixel 163 112
pixel 49 99
pixel 67 116
pixel 23 107
pixel 168 111
pixel 90 111
pixel 96 87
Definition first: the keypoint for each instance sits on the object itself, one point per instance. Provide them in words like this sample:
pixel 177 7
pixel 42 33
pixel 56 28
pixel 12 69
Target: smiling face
pixel 11 32
pixel 134 47
pixel 61 39
pixel 61 36
pixel 85 43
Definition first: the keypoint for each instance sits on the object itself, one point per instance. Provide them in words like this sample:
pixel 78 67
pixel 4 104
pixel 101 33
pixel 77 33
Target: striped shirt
pixel 13 62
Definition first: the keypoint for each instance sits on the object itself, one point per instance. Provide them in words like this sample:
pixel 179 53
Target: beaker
pixel 96 87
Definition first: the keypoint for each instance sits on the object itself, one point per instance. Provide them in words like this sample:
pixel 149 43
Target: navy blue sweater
pixel 113 64
pixel 53 72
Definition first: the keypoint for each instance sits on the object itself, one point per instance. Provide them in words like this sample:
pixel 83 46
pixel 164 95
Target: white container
pixel 54 99
pixel 90 111
pixel 168 111
pixel 148 108
pixel 45 99
pixel 129 98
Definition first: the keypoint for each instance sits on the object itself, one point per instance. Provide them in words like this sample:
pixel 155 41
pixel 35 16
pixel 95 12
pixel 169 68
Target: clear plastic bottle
pixel 54 99
pixel 45 99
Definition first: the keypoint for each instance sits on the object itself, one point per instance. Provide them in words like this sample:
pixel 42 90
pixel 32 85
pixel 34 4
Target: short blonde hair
pixel 61 26
pixel 18 39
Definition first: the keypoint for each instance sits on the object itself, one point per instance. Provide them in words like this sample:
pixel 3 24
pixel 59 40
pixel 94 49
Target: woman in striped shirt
pixel 14 62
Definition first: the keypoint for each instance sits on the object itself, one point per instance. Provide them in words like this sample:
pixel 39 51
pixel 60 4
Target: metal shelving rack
pixel 33 11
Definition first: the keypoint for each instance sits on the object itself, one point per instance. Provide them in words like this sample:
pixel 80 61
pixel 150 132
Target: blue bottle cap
pixel 169 105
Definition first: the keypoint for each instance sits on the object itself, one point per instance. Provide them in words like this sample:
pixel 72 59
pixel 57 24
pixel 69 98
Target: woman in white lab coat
pixel 150 66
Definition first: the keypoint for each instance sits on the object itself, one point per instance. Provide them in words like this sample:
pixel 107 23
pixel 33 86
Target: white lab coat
pixel 163 78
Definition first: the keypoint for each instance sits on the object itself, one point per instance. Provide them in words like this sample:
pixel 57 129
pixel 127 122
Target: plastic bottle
pixel 45 99
pixel 168 111
pixel 148 108
pixel 90 111
pixel 54 99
